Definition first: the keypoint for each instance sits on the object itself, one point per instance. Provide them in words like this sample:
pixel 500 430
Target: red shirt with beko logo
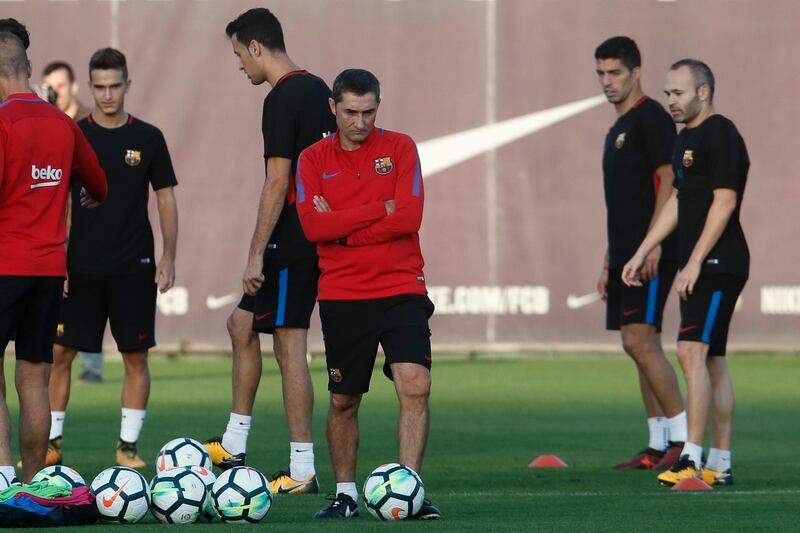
pixel 363 252
pixel 40 149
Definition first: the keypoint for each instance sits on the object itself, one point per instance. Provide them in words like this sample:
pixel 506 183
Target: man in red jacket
pixel 359 197
pixel 40 149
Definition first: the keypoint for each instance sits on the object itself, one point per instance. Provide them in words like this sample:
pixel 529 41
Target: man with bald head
pixel 40 149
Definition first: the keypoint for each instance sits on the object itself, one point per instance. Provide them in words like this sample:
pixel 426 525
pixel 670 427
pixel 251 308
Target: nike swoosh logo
pixel 329 176
pixel 213 302
pixel 687 328
pixel 108 502
pixel 142 336
pixel 163 465
pixel 262 317
pixel 444 152
pixel 630 312
pixel 396 513
pixel 576 302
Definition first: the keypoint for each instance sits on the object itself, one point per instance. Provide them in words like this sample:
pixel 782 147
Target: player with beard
pixel 710 163
pixel 637 179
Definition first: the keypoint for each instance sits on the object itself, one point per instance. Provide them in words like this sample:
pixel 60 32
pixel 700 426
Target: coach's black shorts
pixel 127 301
pixel 28 314
pixel 352 330
pixel 638 305
pixel 706 315
pixel 286 298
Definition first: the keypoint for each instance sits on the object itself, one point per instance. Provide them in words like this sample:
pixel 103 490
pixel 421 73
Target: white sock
pixel 57 424
pixel 8 472
pixel 132 422
pixel 659 430
pixel 695 453
pixel 677 427
pixel 719 460
pixel 348 488
pixel 235 437
pixel 301 460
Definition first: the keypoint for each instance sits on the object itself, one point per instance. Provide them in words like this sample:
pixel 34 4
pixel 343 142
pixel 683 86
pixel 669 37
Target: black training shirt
pixel 296 115
pixel 707 157
pixel 116 237
pixel 639 142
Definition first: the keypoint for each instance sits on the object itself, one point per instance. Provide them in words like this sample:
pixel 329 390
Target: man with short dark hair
pixel 360 197
pixel 14 26
pixel 113 275
pixel 280 279
pixel 41 151
pixel 637 180
pixel 60 76
pixel 710 162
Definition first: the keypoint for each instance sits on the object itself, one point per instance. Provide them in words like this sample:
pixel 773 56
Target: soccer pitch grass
pixel 490 417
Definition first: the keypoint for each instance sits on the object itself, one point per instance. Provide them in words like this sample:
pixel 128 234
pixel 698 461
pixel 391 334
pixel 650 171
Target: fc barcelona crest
pixel 620 142
pixel 133 157
pixel 688 158
pixel 335 374
pixel 383 165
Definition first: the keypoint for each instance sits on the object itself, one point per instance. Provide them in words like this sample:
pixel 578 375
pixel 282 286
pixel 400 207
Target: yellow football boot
pixel 683 469
pixel 283 483
pixel 221 457
pixel 127 455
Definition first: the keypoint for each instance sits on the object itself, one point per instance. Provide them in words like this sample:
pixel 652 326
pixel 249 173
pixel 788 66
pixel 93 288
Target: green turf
pixel 490 417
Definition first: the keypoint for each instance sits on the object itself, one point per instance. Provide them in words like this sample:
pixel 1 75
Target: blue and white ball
pixel 177 496
pixel 182 452
pixel 242 494
pixel 393 492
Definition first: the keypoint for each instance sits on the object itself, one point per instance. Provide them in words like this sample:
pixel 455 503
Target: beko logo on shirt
pixel 48 176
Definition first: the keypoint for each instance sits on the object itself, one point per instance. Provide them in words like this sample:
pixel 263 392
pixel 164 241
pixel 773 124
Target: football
pixel 177 496
pixel 242 494
pixel 209 513
pixel 59 476
pixel 122 495
pixel 393 492
pixel 182 452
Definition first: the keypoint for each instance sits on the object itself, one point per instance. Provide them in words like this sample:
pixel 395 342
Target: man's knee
pixel 135 362
pixel 345 403
pixel 412 381
pixel 692 356
pixel 240 326
pixel 638 340
pixel 63 356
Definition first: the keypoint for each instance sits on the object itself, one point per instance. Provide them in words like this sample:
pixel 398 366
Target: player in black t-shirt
pixel 637 179
pixel 710 162
pixel 280 280
pixel 113 274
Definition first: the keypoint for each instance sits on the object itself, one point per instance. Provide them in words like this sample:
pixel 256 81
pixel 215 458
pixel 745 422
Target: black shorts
pixel 638 305
pixel 127 301
pixel 286 298
pixel 706 315
pixel 352 330
pixel 29 314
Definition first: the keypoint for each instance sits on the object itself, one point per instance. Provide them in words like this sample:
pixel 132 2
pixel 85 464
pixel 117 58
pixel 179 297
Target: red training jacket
pixel 381 256
pixel 40 148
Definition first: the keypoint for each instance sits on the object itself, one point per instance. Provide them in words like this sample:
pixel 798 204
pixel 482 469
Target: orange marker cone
pixel 692 483
pixel 547 461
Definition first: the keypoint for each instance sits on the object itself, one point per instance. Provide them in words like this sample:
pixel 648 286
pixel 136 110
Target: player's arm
pixel 319 222
pixel 665 179
pixel 409 199
pixel 722 206
pixel 665 224
pixel 168 219
pixel 86 165
pixel 270 205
